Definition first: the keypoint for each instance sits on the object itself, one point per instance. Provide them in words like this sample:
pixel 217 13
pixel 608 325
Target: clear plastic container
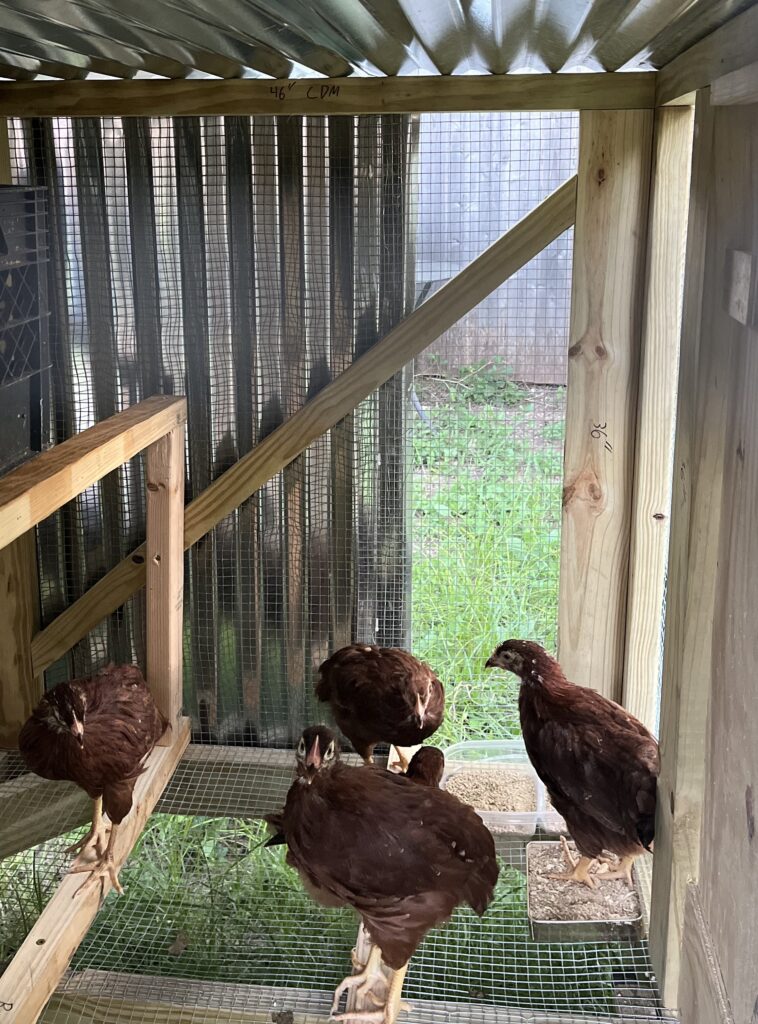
pixel 462 758
pixel 511 752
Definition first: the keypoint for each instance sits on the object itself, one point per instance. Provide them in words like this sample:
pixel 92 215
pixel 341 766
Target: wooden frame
pixel 729 48
pixel 337 399
pixel 609 264
pixel 654 448
pixel 27 496
pixel 386 95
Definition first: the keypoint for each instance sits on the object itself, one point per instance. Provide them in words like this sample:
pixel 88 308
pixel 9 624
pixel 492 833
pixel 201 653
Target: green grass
pixel 486 544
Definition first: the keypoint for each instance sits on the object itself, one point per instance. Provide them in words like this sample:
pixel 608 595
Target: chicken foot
pixel 580 867
pixel 624 870
pixel 364 981
pixel 99 868
pixel 384 1014
pixel 97 835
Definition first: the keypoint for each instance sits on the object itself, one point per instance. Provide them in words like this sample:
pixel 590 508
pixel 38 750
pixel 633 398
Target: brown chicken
pixel 381 695
pixel 96 732
pixel 427 766
pixel 403 855
pixel 599 764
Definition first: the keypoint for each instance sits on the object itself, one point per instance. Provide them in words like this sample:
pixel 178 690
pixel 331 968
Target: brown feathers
pixel 403 855
pixel 381 695
pixel 598 763
pixel 95 732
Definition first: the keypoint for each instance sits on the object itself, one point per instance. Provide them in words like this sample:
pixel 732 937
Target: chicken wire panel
pixel 216 258
pixel 245 262
pixel 489 410
pixel 206 902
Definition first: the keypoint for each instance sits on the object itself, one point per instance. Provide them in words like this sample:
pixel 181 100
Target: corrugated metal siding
pixel 245 38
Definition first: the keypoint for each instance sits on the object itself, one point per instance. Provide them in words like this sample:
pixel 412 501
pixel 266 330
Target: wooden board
pixel 502 259
pixel 33 810
pixel 738 87
pixel 703 999
pixel 20 689
pixel 729 48
pixel 654 449
pixel 164 563
pixel 33 974
pixel 386 95
pixel 35 490
pixel 693 548
pixel 601 401
pixel 729 845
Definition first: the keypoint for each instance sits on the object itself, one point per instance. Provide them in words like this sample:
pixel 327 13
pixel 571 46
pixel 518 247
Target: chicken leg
pixel 580 868
pixel 103 865
pixel 364 981
pixel 385 1014
pixel 97 835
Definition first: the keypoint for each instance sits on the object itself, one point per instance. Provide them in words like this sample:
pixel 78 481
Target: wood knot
pixel 601 351
pixel 575 350
pixel 138 559
pixel 595 492
pixel 741 450
pixel 600 175
pixel 659 516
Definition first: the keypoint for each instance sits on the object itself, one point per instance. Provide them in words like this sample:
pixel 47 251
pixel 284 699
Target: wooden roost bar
pixel 660 469
pixel 27 496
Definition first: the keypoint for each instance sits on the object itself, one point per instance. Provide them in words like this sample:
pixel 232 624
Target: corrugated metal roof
pixel 295 38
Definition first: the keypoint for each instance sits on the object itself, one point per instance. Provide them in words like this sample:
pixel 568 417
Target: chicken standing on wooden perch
pixel 96 732
pixel 381 695
pixel 598 763
pixel 403 855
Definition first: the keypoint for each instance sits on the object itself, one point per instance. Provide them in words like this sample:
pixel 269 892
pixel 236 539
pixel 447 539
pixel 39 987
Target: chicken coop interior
pixel 400 322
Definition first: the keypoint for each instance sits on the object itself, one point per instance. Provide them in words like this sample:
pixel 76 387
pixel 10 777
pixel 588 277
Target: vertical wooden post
pixel 705 373
pixel 19 688
pixel 19 592
pixel 164 557
pixel 667 238
pixel 609 262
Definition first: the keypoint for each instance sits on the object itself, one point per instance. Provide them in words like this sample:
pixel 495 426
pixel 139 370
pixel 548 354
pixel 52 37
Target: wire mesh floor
pixel 214 927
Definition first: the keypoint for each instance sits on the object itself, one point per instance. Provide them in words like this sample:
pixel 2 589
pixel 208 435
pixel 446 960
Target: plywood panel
pixel 609 261
pixel 695 510
pixel 729 856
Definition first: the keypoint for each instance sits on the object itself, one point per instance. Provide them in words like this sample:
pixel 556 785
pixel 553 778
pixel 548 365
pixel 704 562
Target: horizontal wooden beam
pixel 38 966
pixel 729 48
pixel 737 88
pixel 465 291
pixel 389 95
pixel 35 490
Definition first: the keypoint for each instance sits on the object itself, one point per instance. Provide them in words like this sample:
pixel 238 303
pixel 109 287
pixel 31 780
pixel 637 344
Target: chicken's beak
pixel 313 757
pixel 419 712
pixel 77 731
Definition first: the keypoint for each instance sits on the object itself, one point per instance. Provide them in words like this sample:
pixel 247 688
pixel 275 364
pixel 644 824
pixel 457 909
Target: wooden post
pixel 164 565
pixel 667 237
pixel 609 260
pixel 20 689
pixel 693 551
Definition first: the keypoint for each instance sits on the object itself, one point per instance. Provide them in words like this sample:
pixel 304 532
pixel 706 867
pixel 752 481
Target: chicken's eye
pixel 329 752
pixel 301 748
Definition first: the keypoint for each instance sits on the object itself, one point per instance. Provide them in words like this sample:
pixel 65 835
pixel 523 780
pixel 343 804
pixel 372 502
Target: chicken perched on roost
pixel 598 763
pixel 427 766
pixel 403 855
pixel 381 695
pixel 96 732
